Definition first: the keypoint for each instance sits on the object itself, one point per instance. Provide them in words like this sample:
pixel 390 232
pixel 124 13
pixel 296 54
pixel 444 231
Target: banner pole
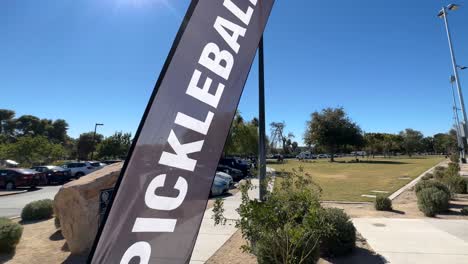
pixel 261 117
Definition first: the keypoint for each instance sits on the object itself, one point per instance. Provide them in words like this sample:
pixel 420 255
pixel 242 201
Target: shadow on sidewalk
pixel 359 256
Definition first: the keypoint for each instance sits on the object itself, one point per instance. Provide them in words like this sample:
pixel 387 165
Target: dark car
pixel 236 174
pixel 12 178
pixel 236 163
pixel 111 161
pixel 54 174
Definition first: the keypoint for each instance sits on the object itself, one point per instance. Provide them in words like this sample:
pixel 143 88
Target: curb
pixel 413 182
pixel 12 193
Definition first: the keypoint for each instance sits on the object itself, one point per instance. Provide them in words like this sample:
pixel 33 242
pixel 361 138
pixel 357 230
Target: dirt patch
pixel 230 252
pixel 404 206
pixel 41 243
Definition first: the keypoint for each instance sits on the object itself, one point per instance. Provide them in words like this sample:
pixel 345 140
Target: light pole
pixel 461 146
pixel 94 138
pixel 261 126
pixel 443 14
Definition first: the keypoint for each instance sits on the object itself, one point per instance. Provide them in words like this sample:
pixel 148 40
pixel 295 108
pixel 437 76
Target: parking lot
pixel 11 205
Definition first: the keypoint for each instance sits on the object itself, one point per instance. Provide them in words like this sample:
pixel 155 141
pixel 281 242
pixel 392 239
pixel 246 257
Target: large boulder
pixel 77 207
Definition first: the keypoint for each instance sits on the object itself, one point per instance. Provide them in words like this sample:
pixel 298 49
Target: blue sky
pixel 386 62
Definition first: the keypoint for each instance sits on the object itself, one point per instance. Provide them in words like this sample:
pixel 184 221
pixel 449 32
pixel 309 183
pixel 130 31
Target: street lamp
pixel 462 67
pixel 461 146
pixel 443 14
pixel 94 138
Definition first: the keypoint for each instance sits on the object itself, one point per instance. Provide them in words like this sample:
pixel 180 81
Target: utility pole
pixel 94 138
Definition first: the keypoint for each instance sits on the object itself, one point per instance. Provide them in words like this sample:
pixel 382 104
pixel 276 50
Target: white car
pixel 78 169
pixel 220 185
pixel 225 177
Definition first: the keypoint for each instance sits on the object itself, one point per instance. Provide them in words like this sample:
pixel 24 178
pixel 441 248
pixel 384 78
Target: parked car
pixel 236 174
pixel 54 174
pixel 12 178
pixel 226 177
pixel 236 163
pixel 306 155
pixel 78 169
pixel 110 161
pixel 97 164
pixel 323 156
pixel 220 185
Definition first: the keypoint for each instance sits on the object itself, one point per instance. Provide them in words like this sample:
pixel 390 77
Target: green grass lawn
pixel 343 181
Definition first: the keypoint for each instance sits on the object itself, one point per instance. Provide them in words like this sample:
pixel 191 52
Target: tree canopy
pixel 332 129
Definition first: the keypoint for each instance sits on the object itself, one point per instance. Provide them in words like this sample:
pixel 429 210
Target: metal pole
pixel 94 140
pixel 461 146
pixel 261 126
pixel 455 70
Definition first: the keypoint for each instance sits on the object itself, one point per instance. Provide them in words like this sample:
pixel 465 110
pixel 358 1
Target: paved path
pixel 12 205
pixel 427 241
pixel 211 237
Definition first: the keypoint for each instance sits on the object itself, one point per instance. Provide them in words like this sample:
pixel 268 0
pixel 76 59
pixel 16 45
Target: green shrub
pixel 10 234
pixel 285 228
pixel 432 183
pixel 452 170
pixel 342 240
pixel 427 176
pixel 464 211
pixel 456 184
pixel 38 210
pixel 432 201
pixel 455 157
pixel 439 172
pixel 382 203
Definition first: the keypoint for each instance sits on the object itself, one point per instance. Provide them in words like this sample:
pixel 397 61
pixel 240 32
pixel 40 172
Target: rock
pixel 77 207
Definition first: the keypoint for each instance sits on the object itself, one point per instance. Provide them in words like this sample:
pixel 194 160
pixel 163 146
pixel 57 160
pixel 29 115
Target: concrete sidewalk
pixel 211 237
pixel 402 241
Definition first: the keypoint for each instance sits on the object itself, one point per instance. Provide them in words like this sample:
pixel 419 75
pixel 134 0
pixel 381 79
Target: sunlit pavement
pixel 416 240
pixel 11 205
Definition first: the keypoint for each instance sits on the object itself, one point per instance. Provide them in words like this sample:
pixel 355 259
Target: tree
pixel 243 137
pixel 7 124
pixel 277 137
pixel 445 142
pixel 428 144
pixel 115 146
pixel 412 140
pixel 373 143
pixel 57 131
pixel 332 130
pixel 30 150
pixel 391 144
pixel 87 144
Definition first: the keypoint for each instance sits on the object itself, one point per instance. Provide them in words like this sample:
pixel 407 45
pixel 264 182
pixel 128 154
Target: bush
pixel 342 240
pixel 464 211
pixel 38 210
pixel 456 184
pixel 439 172
pixel 455 157
pixel 452 170
pixel 432 201
pixel 421 185
pixel 427 176
pixel 285 228
pixel 10 234
pixel 383 203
